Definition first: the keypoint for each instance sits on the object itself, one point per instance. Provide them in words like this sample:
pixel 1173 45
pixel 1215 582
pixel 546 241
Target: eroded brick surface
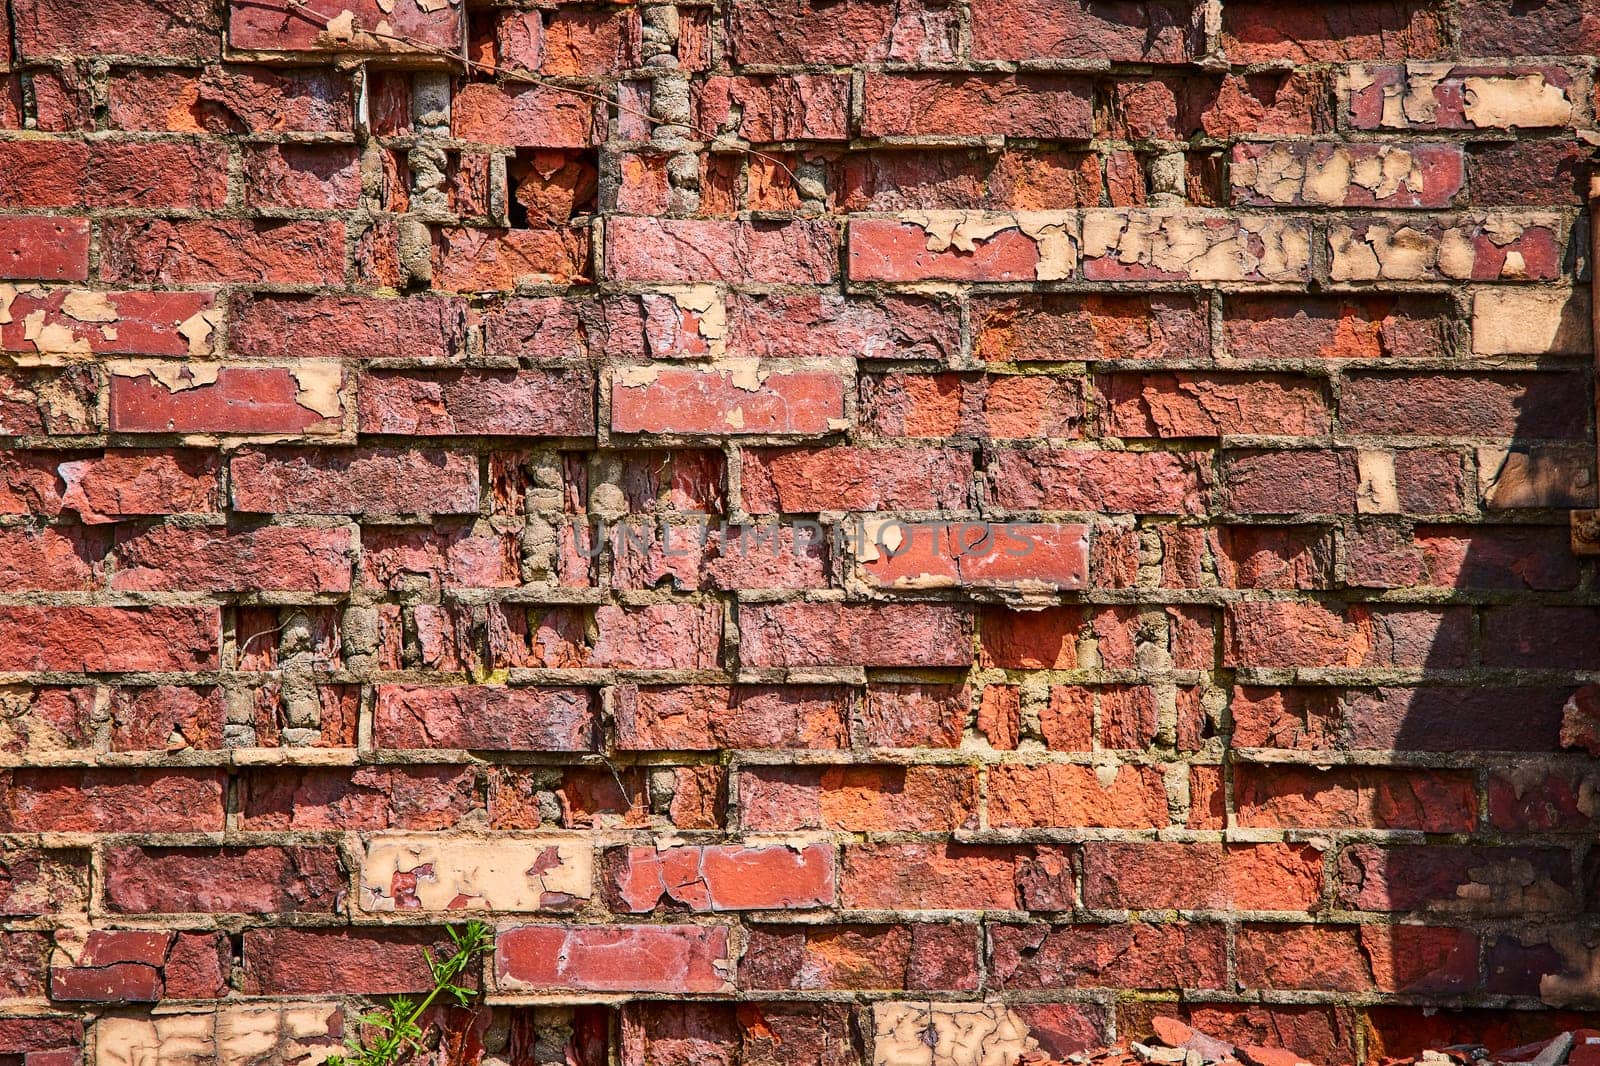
pixel 911 533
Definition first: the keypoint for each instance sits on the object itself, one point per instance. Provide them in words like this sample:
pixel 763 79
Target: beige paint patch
pixel 637 377
pixel 87 306
pixel 197 329
pixel 176 377
pixel 1376 489
pixel 1200 246
pixel 342 27
pixel 961 230
pixel 317 387
pixel 52 338
pixel 1518 322
pixel 1525 100
pixel 948 1034
pixel 506 874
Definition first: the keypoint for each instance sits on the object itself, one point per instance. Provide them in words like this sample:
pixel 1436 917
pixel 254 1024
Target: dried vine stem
pixel 523 76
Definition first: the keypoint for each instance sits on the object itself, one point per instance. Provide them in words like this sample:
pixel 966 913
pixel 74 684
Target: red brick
pixel 43 173
pixel 166 718
pixel 1093 480
pixel 188 28
pixel 175 251
pixel 67 800
pixel 857 31
pixel 708 556
pixel 324 177
pixel 239 400
pixel 914 715
pixel 447 554
pixel 53 559
pixel 1008 406
pixel 278 29
pixel 812 634
pixel 942 876
pixel 1213 405
pixel 1255 31
pixel 856 479
pixel 274 558
pixel 132 323
pixel 1283 557
pixel 370 797
pixel 1510 881
pixel 1163 875
pixel 658 399
pixel 658 249
pixel 913 956
pixel 845 327
pixel 47 401
pixel 246 880
pixel 885 249
pixel 708 717
pixel 1312 635
pixel 1509 557
pixel 634 958
pixel 859 798
pixel 1538 637
pixel 527 403
pixel 1290 482
pixel 1126 955
pixel 1506 28
pixel 1462 405
pixel 1068 796
pixel 108 639
pixel 1334 327
pixel 977 554
pixel 1527 173
pixel 1053 106
pixel 107 966
pixel 420 325
pixel 531 116
pixel 1130 31
pixel 36 247
pixel 1060 327
pixel 1268 103
pixel 221 99
pixel 721 877
pixel 484 717
pixel 662 636
pixel 1355 959
pixel 347 481
pixel 568 41
pixel 1359 797
pixel 796 107
pixel 468 259
pixel 339 961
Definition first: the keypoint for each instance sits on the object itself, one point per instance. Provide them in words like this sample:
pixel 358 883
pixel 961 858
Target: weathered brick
pixel 802 634
pixel 950 876
pixel 175 251
pixel 1342 798
pixel 319 28
pixel 108 639
pixel 859 798
pixel 548 402
pixel 912 956
pixel 251 880
pixel 808 107
pixel 667 399
pixel 965 246
pixel 1254 31
pixel 1329 174
pixel 721 877
pixel 1340 327
pixel 344 481
pixel 1128 955
pixel 483 717
pixel 857 479
pixel 1160 875
pixel 531 115
pixel 125 27
pixel 1310 634
pixel 635 958
pixel 353 326
pixel 704 718
pixel 39 247
pixel 1478 405
pixel 1143 31
pixel 858 31
pixel 234 399
pixel 1053 106
pixel 1168 245
pixel 658 249
pixel 68 800
pixel 1196 405
pixel 1087 479
pixel 1131 797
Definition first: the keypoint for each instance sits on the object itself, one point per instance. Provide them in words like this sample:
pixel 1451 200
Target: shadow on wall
pixel 1486 827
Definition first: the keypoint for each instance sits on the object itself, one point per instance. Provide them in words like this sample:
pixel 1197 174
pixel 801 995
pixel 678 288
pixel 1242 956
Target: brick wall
pixel 1262 324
